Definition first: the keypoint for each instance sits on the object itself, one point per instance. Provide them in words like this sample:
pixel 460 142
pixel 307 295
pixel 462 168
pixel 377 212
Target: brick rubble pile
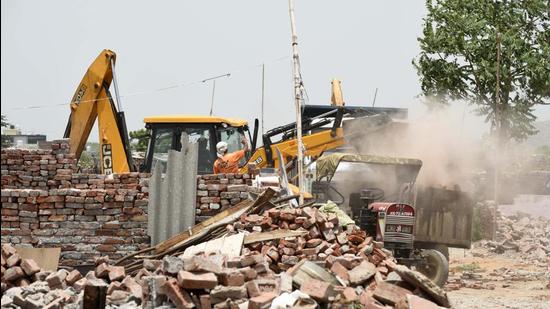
pixel 363 274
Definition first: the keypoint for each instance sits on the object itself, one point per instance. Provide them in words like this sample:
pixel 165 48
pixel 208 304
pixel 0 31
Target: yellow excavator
pixel 323 127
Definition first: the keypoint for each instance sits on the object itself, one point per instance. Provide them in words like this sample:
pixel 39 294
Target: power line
pixel 161 89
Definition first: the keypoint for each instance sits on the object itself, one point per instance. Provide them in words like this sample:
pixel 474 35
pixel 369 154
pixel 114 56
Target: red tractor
pixel 379 194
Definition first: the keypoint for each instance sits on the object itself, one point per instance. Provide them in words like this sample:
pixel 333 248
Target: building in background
pixel 16 139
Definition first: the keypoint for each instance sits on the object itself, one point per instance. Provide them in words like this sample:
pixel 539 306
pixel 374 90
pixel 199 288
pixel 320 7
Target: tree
pixel 458 59
pixel 139 139
pixel 5 140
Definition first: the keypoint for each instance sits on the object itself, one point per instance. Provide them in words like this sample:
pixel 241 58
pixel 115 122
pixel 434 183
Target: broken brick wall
pixel 85 223
pixel 38 168
pixel 216 193
pixel 45 203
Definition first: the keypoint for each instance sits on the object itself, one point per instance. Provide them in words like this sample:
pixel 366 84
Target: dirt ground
pixel 484 279
pixel 513 291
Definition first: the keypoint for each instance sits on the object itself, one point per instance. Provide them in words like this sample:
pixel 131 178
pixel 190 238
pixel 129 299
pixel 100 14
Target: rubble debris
pixel 320 262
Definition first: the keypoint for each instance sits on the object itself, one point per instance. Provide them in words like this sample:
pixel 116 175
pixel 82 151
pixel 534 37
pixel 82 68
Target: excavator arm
pixel 92 101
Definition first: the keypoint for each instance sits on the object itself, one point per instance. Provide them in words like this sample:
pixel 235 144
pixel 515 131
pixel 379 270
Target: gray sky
pixel 48 45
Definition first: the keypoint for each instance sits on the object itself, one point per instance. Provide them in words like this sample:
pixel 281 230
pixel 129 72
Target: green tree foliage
pixel 139 139
pixel 5 140
pixel 458 58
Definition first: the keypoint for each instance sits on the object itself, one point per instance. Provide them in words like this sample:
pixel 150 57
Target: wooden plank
pixel 226 214
pixel 46 258
pixel 277 234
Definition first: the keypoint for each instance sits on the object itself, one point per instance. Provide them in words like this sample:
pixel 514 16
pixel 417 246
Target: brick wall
pixel 38 168
pixel 45 203
pixel 216 193
pixel 85 223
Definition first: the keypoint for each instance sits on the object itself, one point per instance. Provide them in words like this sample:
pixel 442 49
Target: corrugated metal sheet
pixel 172 196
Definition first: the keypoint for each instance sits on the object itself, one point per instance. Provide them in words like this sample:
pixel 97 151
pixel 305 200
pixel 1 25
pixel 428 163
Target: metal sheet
pixel 172 197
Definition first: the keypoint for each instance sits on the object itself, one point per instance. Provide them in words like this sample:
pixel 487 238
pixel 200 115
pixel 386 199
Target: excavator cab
pixel 207 131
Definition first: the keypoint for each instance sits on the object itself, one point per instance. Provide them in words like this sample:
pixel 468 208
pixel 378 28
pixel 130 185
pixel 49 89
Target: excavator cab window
pixel 163 139
pixel 166 136
pixel 233 136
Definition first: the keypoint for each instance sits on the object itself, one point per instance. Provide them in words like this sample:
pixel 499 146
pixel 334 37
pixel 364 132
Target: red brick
pixel 177 296
pixel 349 294
pixel 231 278
pixel 102 271
pixel 189 280
pixel 389 293
pixel 316 289
pixel 73 277
pixel 261 301
pixel 340 271
pixel 13 273
pixel 116 273
pixel 205 302
pixel 13 260
pixel 30 267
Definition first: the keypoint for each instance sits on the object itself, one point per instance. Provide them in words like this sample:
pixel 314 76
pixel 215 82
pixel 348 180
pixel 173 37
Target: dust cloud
pixel 439 139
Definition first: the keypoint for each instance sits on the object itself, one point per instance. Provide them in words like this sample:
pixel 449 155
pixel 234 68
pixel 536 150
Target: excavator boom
pixel 92 100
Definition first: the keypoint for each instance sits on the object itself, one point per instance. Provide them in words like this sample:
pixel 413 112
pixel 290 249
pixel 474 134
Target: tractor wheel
pixel 443 249
pixel 435 266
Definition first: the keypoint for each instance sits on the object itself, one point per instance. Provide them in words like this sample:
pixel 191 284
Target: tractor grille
pixel 399 220
pixel 400 239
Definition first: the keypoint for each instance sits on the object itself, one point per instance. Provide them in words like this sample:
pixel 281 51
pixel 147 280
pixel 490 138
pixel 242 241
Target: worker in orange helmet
pixel 228 162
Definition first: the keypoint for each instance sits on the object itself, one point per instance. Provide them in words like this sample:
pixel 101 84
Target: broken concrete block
pixel 201 264
pixel 192 281
pixel 172 265
pixel 361 273
pixel 152 265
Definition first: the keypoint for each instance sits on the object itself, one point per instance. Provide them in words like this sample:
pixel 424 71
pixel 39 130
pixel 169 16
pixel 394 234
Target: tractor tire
pixel 443 249
pixel 435 266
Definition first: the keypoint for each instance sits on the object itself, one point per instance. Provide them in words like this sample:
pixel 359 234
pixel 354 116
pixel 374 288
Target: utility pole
pixel 263 83
pixel 213 79
pixel 497 133
pixel 298 101
pixel 213 92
